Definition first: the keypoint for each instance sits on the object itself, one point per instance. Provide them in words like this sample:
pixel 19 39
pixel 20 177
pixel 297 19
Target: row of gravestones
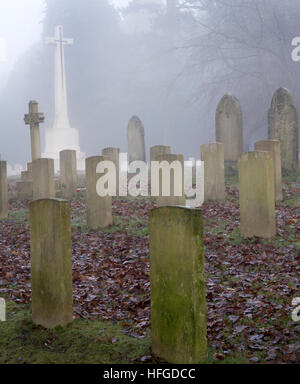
pixel 283 125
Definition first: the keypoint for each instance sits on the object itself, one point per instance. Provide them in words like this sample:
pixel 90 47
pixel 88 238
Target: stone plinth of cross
pixel 34 118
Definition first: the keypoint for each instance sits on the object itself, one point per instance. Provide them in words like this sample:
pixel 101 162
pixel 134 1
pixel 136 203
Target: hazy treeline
pixel 169 63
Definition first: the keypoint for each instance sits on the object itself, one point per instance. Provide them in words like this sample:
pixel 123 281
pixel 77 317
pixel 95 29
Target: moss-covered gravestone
pixel 212 155
pixel 99 208
pixel 257 195
pixel 43 179
pixel 3 191
pixel 51 262
pixel 273 146
pixel 284 126
pixel 168 176
pixel 68 173
pixel 178 306
pixel 113 154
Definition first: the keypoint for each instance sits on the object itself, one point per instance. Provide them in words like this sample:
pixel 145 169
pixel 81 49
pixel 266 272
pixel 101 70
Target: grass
pixel 133 226
pixel 81 342
pixel 19 217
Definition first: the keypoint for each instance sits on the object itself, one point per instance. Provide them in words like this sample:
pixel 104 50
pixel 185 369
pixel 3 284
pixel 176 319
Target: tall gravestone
pixel 284 126
pixel 43 179
pixel 99 209
pixel 51 262
pixel 175 180
pixel 178 306
pixel 273 146
pixel 3 190
pixel 68 173
pixel 212 155
pixel 136 140
pixel 113 154
pixel 257 195
pixel 229 128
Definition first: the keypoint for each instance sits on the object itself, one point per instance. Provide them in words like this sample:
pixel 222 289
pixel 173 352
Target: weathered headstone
pixel 229 128
pixel 257 195
pixel 176 180
pixel 51 262
pixel 178 306
pixel 284 126
pixel 43 179
pixel 212 155
pixel 26 176
pixel 113 154
pixel 136 140
pixel 159 150
pixel 273 146
pixel 24 189
pixel 99 209
pixel 3 190
pixel 68 173
pixel 34 118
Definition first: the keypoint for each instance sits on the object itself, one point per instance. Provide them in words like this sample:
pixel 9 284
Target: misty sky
pixel 20 27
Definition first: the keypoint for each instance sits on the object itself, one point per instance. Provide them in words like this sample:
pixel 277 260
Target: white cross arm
pixel 54 41
pixel 68 41
pixel 50 40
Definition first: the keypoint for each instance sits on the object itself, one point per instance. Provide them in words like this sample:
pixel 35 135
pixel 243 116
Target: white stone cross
pixel 61 120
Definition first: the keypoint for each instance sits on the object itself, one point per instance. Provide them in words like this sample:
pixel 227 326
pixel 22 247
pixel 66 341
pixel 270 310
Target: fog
pixel 168 62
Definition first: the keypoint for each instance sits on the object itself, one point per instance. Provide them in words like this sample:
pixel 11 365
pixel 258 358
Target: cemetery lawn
pixel 250 286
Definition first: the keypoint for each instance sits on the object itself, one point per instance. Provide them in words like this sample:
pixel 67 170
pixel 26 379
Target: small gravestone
pixel 51 262
pixel 169 171
pixel 273 146
pixel 113 154
pixel 43 179
pixel 136 140
pixel 99 209
pixel 284 126
pixel 33 119
pixel 257 195
pixel 212 155
pixel 3 190
pixel 68 173
pixel 24 189
pixel 178 306
pixel 229 128
pixel 26 176
pixel 159 150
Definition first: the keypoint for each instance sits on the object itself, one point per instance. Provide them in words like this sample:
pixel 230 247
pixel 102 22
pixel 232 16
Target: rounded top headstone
pixel 281 98
pixel 229 104
pixel 136 123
